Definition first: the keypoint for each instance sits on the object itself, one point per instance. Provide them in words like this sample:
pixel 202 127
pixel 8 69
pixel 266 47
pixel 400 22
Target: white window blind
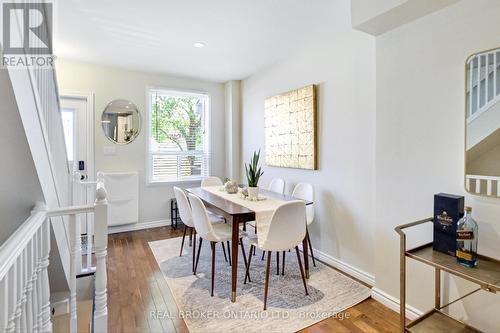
pixel 179 141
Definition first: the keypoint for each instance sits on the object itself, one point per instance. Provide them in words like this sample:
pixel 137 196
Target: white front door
pixel 77 116
pixel 76 132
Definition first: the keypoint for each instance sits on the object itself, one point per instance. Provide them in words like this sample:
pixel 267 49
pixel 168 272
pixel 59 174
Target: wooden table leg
pixel 234 259
pixel 305 248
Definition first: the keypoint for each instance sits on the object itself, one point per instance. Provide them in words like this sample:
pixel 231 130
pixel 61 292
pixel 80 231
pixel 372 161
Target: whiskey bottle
pixel 467 240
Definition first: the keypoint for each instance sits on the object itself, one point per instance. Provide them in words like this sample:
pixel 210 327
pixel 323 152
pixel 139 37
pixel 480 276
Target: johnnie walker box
pixel 448 209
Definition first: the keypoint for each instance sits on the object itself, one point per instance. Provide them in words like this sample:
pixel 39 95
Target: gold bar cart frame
pixel 483 285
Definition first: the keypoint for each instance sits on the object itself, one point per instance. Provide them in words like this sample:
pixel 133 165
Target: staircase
pixel 483 83
pixel 24 261
pixel 483 117
pixel 31 261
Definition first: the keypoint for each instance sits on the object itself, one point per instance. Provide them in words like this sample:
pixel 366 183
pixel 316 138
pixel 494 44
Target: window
pixel 69 122
pixel 178 136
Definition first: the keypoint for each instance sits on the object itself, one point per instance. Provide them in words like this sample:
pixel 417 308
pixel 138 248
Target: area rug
pixel 289 309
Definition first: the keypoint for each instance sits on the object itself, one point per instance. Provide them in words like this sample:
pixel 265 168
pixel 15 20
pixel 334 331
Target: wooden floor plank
pixel 137 288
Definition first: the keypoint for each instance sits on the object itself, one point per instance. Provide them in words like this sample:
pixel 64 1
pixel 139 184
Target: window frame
pixel 207 142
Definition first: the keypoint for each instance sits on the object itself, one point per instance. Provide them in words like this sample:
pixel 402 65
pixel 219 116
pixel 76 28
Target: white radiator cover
pixel 123 197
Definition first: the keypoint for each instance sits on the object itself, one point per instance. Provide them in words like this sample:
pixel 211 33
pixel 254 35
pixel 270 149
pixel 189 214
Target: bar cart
pixel 486 275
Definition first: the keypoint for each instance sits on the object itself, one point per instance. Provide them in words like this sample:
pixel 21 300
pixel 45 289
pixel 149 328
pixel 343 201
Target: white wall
pixel 109 83
pixel 342 63
pixel 420 142
pixel 233 129
pixel 379 16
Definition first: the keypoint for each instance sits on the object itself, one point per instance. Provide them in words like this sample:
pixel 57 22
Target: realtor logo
pixel 27 28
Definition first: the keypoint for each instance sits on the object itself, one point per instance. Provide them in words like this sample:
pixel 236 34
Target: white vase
pixel 253 192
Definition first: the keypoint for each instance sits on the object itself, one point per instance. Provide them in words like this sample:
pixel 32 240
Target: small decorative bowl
pixel 231 187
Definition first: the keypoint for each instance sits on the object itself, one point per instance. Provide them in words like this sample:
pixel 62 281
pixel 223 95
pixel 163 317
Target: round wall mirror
pixel 121 121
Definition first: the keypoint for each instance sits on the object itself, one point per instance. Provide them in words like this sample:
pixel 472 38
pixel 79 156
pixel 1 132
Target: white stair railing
pixel 79 193
pixel 24 258
pixel 483 87
pixel 486 185
pixel 24 283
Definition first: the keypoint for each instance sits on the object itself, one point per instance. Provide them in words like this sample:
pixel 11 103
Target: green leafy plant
pixel 253 174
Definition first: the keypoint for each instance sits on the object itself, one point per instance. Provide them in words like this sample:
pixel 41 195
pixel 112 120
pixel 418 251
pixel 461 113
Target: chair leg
pixel 229 252
pixel 224 251
pixel 245 257
pixel 277 263
pixel 301 269
pixel 194 245
pixel 283 264
pixel 263 253
pixel 198 256
pixel 182 243
pixel 213 267
pixel 254 251
pixel 311 249
pixel 190 236
pixel 266 288
pixel 247 273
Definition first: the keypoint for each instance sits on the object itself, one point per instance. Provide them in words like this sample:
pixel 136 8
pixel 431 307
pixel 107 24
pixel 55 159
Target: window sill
pixel 160 183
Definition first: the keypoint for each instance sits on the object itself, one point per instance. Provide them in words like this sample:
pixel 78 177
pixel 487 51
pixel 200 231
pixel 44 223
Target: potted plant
pixel 253 173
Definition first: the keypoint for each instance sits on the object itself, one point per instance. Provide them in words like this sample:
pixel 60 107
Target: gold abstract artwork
pixel 290 129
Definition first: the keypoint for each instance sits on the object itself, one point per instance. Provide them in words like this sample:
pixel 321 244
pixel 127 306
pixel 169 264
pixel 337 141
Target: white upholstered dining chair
pixel 302 191
pixel 277 185
pixel 211 181
pixel 287 229
pixel 214 233
pixel 305 191
pixel 187 218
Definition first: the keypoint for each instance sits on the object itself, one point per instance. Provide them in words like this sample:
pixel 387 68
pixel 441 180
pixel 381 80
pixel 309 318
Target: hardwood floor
pixel 136 289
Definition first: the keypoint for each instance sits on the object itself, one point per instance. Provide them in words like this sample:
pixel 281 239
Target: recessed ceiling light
pixel 199 45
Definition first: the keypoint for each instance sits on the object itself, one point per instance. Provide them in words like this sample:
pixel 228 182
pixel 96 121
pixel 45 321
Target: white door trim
pixel 89 98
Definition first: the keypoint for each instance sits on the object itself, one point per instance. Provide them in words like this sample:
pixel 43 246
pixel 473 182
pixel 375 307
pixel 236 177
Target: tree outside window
pixel 178 136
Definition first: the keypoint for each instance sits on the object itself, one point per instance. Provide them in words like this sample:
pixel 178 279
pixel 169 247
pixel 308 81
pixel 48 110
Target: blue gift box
pixel 448 209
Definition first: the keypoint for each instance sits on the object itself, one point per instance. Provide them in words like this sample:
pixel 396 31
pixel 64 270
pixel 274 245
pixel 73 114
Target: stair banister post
pixel 72 272
pixel 495 69
pixel 101 244
pixel 4 311
pixel 39 285
pixel 11 301
pixel 24 263
pixel 29 289
pixel 77 199
pixel 43 278
pixel 46 320
pixel 478 83
pixel 34 284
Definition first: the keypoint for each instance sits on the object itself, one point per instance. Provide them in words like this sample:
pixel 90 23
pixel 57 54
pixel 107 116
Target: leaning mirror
pixel 482 124
pixel 121 121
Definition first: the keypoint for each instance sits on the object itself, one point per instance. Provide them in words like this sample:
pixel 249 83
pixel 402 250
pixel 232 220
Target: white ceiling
pixel 241 36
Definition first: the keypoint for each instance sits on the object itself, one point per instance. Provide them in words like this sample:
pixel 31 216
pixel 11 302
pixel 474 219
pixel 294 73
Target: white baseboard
pixel 138 226
pixel 344 267
pixel 377 294
pixel 393 303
